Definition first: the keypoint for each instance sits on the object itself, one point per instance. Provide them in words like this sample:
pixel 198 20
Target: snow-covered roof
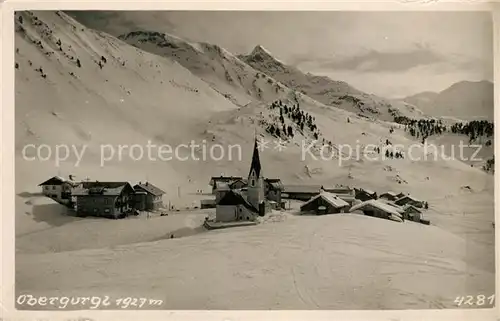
pixel 301 189
pixel 330 198
pixel 150 188
pixel 378 205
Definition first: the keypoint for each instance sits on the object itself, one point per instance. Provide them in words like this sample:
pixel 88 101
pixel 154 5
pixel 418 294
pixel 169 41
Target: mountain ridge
pixel 280 79
pixel 464 99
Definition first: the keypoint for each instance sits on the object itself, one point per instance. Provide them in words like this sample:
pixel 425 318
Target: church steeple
pixel 255 187
pixel 255 165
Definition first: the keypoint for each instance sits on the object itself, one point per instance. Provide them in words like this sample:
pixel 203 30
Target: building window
pixel 106 201
pixel 106 210
pixel 95 210
pixel 53 187
pixel 253 182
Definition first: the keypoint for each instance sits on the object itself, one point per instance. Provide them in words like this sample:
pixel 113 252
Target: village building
pixel 59 189
pixel 412 213
pixel 234 206
pixel 222 179
pixel 273 187
pixel 365 194
pixel 238 184
pixel 221 190
pixel 300 192
pixel 407 199
pixel 139 202
pixel 106 199
pixel 237 205
pixel 390 196
pixel 152 200
pixel 325 203
pixel 399 195
pixel 378 209
pixel 345 193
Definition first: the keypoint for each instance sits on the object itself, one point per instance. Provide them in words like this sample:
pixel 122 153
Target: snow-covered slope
pixel 136 97
pixel 222 70
pixel 136 94
pixel 464 100
pixel 325 90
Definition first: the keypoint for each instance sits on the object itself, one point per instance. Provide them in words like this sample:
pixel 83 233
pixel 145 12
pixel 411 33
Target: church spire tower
pixel 255 165
pixel 255 189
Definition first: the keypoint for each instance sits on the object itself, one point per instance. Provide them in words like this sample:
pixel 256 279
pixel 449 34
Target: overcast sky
pixel 391 54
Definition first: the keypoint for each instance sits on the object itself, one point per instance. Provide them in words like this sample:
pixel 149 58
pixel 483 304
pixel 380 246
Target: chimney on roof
pixel 146 183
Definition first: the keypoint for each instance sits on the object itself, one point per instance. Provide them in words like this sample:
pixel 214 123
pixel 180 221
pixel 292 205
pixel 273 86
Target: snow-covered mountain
pixel 466 100
pixel 325 90
pixel 225 72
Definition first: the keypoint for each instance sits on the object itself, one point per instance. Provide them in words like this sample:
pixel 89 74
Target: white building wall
pixel 255 194
pixel 50 190
pixel 232 213
pixel 226 213
pixel 243 213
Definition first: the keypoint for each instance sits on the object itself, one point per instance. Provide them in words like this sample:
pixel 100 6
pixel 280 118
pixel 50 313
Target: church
pixel 248 203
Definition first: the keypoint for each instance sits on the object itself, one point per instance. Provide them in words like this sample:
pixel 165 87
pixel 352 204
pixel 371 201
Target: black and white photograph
pixel 254 160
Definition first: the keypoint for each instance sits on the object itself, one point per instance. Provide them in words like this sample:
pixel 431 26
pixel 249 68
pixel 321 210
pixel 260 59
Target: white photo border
pixel 7 231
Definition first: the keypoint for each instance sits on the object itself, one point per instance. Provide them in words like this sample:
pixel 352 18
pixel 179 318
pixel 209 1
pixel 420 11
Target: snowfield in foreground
pixel 331 262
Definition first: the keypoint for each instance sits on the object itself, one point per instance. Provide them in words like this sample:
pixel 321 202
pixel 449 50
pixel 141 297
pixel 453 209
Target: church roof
pixel 234 197
pixel 255 161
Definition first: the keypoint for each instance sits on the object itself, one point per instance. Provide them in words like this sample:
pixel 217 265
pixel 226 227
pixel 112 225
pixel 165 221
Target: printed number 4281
pixel 478 300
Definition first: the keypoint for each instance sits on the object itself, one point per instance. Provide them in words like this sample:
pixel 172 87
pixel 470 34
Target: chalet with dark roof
pixel 300 192
pixel 325 203
pixel 273 187
pixel 149 196
pixel 390 196
pixel 407 199
pixel 106 199
pixel 365 194
pixel 412 213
